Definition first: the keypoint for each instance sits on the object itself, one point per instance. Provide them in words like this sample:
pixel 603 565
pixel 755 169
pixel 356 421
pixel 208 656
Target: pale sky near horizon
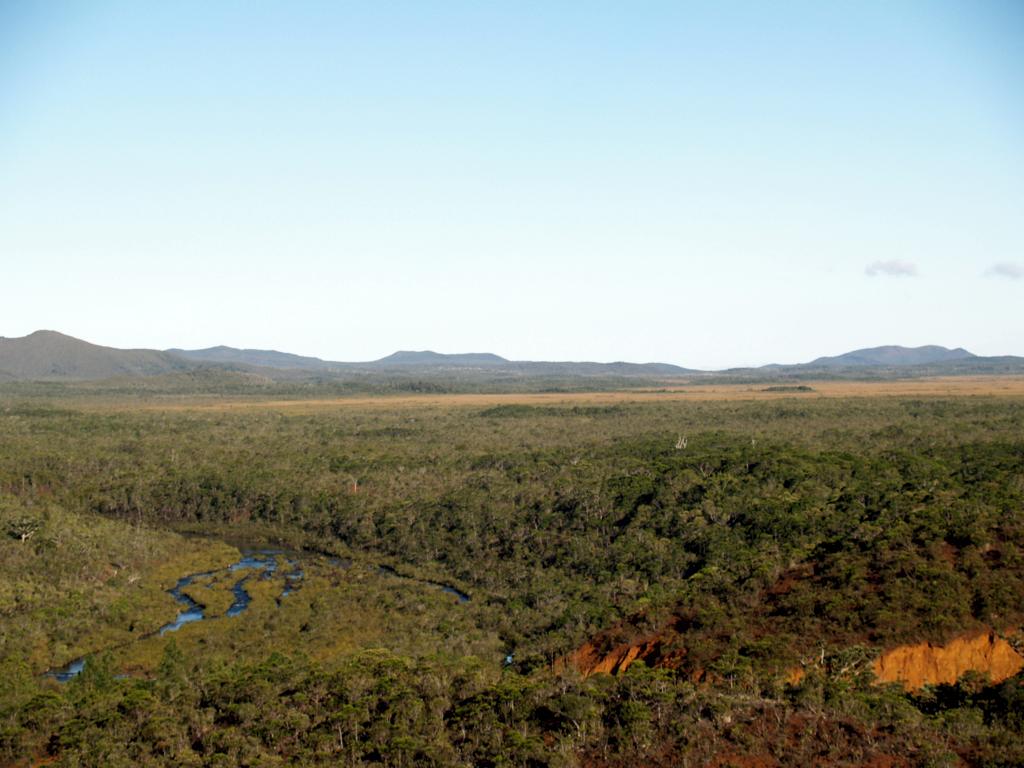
pixel 708 184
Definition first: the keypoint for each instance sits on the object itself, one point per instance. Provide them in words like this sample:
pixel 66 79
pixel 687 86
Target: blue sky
pixel 709 184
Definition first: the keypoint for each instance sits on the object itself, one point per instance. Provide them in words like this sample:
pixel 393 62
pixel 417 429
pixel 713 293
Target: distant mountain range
pixel 406 361
pixel 52 356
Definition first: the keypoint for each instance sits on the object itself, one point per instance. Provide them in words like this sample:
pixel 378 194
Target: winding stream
pixel 193 610
pixel 387 570
pixel 263 563
pixel 263 560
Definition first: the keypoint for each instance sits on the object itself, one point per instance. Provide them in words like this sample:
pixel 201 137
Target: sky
pixel 709 184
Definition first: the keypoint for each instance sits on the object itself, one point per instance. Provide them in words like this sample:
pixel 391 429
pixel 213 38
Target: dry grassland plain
pixel 949 386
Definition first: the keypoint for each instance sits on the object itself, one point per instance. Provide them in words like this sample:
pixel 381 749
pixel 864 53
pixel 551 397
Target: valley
pixel 548 578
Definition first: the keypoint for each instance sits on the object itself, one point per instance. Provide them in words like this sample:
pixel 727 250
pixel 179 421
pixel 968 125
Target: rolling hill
pixel 428 358
pixel 52 356
pixel 893 356
pixel 48 355
pixel 260 358
pixel 406 361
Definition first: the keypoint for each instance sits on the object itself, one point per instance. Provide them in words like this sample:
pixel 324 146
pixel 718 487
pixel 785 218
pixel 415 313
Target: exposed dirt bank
pixel 589 659
pixel 922 664
pixel 613 651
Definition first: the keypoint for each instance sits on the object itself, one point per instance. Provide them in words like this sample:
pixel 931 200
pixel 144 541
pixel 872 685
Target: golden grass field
pixel 951 386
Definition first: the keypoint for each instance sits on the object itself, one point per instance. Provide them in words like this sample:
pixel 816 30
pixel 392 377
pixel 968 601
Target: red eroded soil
pixel 923 663
pixel 614 650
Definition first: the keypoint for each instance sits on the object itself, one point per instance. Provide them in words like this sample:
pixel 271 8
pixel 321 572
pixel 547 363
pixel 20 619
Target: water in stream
pixel 68 671
pixel 264 561
pixel 193 610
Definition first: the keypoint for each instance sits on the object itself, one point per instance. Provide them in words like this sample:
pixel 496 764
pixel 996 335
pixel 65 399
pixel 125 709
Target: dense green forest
pixel 737 539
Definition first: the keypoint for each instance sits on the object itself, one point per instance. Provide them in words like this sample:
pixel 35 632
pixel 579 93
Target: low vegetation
pixel 741 539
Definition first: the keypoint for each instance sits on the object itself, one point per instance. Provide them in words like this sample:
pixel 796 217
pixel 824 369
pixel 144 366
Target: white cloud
pixel 893 268
pixel 1006 269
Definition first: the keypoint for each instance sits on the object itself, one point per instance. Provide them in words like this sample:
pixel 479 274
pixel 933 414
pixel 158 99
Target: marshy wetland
pixel 201 596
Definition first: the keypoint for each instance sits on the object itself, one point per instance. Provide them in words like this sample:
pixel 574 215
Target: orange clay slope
pixel 925 664
pixel 913 666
